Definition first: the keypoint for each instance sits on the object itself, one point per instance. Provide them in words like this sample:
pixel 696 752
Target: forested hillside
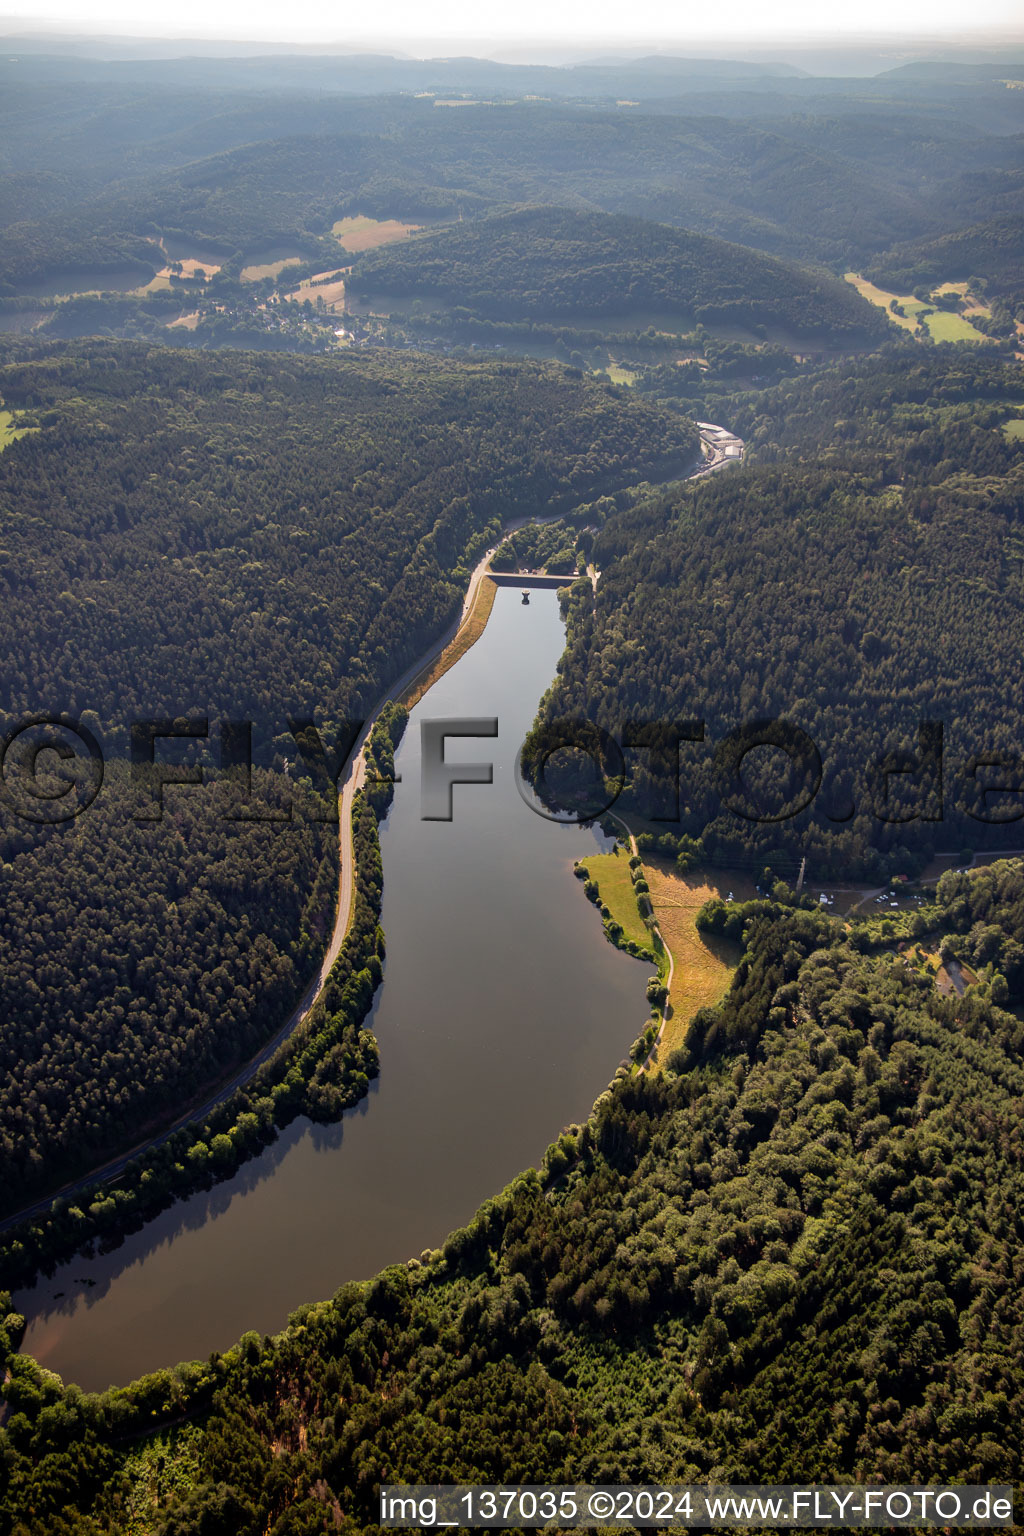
pixel 258 538
pixel 555 263
pixel 774 186
pixel 227 538
pixel 787 1249
pixel 791 1257
pixel 142 962
pixel 861 576
pixel 993 251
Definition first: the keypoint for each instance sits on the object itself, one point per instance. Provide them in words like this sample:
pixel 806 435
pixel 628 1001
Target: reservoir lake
pixel 503 1014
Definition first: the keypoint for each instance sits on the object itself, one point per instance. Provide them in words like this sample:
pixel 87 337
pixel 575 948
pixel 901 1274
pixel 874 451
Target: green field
pixel 942 324
pixel 945 326
pixel 614 881
pixel 9 431
pixel 1014 427
pixel 907 321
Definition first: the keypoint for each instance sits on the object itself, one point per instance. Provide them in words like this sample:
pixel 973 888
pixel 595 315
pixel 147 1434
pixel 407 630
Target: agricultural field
pixel 272 267
pixel 941 324
pixel 945 326
pixel 313 288
pixel 875 295
pixel 615 882
pixel 971 304
pixel 1014 428
pixel 364 234
pixel 189 266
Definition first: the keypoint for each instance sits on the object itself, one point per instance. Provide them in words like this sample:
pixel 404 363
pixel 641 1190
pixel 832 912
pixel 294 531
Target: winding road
pixel 354 778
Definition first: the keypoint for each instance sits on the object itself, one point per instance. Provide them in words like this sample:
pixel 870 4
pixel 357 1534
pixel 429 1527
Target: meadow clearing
pixel 10 431
pixel 615 882
pixel 364 234
pixel 703 966
pixel 941 324
pixel 188 266
pixel 274 261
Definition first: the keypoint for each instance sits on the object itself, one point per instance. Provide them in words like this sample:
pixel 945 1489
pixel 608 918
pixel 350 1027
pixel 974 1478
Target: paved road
pixel 355 777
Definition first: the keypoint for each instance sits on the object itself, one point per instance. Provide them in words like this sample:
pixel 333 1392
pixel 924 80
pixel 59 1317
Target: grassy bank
pixel 942 324
pixel 469 633
pixel 614 880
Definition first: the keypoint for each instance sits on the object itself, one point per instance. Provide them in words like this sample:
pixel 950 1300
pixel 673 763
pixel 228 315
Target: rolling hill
pixel 309 164
pixel 993 250
pixel 544 263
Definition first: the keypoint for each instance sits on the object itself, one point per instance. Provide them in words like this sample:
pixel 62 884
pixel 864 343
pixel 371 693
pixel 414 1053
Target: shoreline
pixel 408 689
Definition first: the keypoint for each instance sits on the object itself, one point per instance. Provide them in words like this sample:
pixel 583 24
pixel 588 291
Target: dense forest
pixel 141 962
pixel 552 263
pixel 261 538
pixel 860 578
pixel 224 538
pixel 994 249
pixel 792 1256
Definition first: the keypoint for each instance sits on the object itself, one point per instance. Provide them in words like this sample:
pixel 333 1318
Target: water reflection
pixel 502 1015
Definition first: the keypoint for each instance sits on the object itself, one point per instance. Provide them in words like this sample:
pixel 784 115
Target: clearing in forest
pixel 272 267
pixel 972 305
pixel 879 296
pixel 364 234
pixel 189 266
pixel 942 324
pixel 10 431
pixel 703 965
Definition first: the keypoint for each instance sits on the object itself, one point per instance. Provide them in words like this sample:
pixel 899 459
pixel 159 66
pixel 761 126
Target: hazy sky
pixel 735 25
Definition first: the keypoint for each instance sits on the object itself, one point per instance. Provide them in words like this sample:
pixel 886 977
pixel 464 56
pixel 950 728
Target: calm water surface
pixel 502 1016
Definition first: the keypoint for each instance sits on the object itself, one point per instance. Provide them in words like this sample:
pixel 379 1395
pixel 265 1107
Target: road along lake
pixel 502 1015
